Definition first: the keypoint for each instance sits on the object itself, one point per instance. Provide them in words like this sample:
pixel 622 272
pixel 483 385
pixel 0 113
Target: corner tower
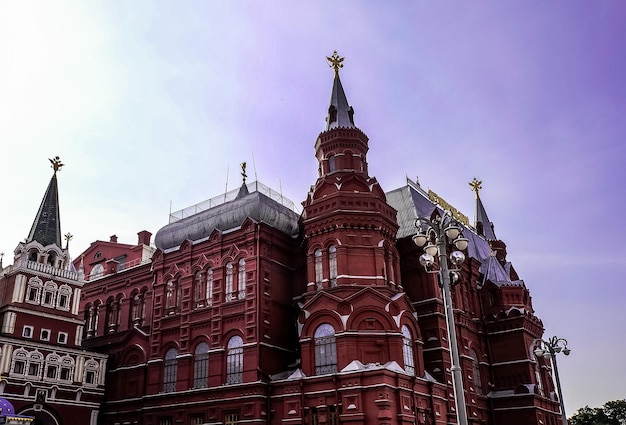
pixel 349 228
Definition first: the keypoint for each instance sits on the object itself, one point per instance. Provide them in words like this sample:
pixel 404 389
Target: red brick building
pixel 46 373
pixel 251 313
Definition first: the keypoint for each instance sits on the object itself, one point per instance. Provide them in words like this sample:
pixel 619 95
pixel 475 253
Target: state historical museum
pixel 247 312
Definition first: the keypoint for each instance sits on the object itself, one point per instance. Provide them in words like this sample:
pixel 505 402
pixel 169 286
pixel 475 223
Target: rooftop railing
pixel 230 196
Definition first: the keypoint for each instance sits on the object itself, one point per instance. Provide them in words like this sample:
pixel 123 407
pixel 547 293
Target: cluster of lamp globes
pixel 427 259
pixel 547 353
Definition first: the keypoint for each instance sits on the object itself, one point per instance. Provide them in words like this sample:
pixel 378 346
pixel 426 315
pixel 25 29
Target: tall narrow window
pixel 65 295
pixel 201 366
pixel 332 265
pixel 476 372
pixel 325 350
pixel 331 163
pixel 407 350
pixel 49 294
pixel 170 295
pixel 209 287
pixel 241 280
pixel 170 369
pixel 318 268
pixel 229 282
pixel 33 291
pixel 234 360
pixel 198 290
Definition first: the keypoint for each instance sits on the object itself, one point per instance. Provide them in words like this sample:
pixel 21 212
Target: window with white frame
pixel 407 350
pixel 229 281
pixel 35 364
pixel 33 290
pixel 170 370
pixel 44 335
pixel 198 290
pixel 332 265
pixel 62 338
pixel 241 280
pixel 27 331
pixel 53 362
pixel 91 372
pixel 48 297
pixel 319 276
pixel 64 297
pixel 325 349
pixel 66 371
pixel 19 362
pixel 209 287
pixel 234 360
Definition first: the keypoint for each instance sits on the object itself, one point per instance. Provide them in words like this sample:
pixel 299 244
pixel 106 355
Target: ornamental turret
pixel 348 225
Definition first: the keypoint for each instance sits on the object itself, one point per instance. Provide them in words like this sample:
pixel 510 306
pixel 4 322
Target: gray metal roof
pixel 340 113
pixel 46 227
pixel 411 202
pixel 227 216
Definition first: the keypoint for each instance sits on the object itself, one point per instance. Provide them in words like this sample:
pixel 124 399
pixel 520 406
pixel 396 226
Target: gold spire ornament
pixel 476 185
pixel 68 237
pixel 335 62
pixel 243 172
pixel 56 163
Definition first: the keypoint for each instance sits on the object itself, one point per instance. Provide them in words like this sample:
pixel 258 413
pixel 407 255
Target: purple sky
pixel 151 103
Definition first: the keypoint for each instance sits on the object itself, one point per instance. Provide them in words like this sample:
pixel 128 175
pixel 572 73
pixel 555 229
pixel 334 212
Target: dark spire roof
pixel 46 228
pixel 340 113
pixel 483 226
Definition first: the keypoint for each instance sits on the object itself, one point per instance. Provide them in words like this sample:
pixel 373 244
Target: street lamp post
pixel 549 349
pixel 444 228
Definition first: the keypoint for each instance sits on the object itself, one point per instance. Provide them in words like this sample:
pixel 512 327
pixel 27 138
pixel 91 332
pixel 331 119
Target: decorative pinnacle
pixel 476 185
pixel 56 163
pixel 68 237
pixel 335 62
pixel 243 172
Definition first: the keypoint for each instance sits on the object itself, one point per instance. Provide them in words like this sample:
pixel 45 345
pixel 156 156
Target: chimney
pixel 113 239
pixel 143 238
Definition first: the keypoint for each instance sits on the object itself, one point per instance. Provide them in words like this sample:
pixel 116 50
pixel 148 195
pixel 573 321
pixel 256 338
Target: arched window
pixel 198 290
pixel 318 268
pixel 209 287
pixel 66 372
pixel 91 372
pixel 33 291
pixel 64 298
pixel 96 272
pixel 19 361
pixel 53 362
pixel 332 265
pixel 478 386
pixel 170 369
pixel 229 281
pixel 241 280
pixel 48 297
pixel 407 350
pixel 35 364
pixel 325 350
pixel 201 366
pixel 234 360
pixel 331 163
pixel 112 314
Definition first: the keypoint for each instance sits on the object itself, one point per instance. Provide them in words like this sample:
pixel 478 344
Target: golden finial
pixel 476 185
pixel 335 62
pixel 68 237
pixel 56 163
pixel 243 172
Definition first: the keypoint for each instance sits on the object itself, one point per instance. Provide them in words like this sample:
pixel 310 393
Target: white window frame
pixel 30 332
pixel 41 336
pixel 62 338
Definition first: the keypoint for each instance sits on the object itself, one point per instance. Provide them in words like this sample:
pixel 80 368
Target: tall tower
pixel 349 228
pixel 43 366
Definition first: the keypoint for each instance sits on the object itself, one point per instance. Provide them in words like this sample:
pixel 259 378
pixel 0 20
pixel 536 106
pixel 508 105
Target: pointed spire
pixel 483 226
pixel 46 228
pixel 340 113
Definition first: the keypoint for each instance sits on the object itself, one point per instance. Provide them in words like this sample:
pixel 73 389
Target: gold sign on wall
pixel 446 206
